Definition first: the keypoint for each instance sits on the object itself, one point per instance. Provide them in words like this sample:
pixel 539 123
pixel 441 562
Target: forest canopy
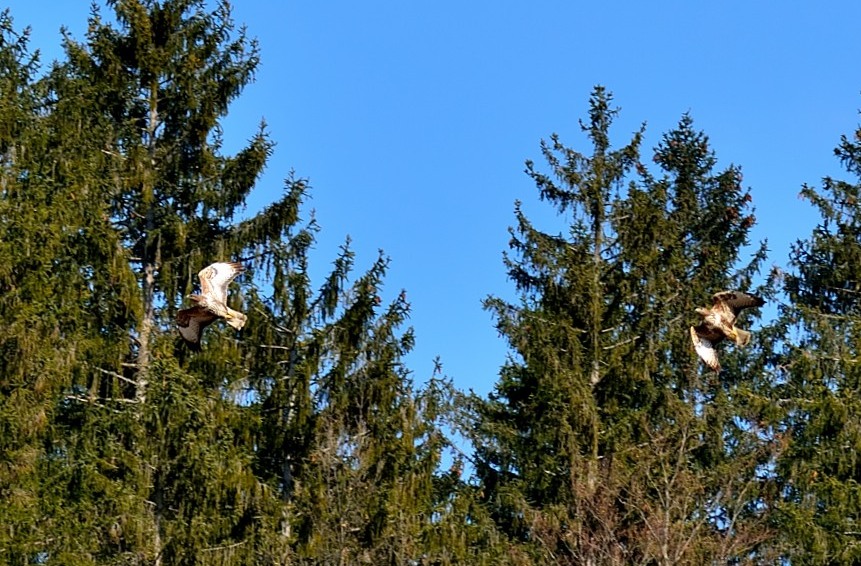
pixel 304 438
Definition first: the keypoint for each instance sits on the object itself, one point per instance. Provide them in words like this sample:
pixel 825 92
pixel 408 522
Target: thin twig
pixel 224 547
pixel 97 400
pixel 114 374
pixel 622 343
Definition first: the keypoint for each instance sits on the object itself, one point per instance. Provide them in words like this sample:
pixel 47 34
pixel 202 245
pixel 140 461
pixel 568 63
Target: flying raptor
pixel 719 323
pixel 211 303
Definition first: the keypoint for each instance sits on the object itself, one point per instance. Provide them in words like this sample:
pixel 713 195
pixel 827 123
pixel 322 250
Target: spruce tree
pixel 350 440
pixel 26 249
pixel 275 445
pixel 62 296
pixel 131 119
pixel 604 441
pixel 816 410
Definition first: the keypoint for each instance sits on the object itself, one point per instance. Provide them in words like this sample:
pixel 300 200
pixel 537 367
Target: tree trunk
pixel 143 357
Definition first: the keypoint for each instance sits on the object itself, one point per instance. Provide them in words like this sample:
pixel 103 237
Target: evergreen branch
pixel 277 326
pixel 261 255
pixel 95 400
pixel 113 153
pixel 811 311
pixel 622 343
pixel 842 290
pixel 461 453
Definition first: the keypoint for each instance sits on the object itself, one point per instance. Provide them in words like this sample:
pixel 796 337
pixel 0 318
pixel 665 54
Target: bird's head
pixel 702 311
pixel 198 299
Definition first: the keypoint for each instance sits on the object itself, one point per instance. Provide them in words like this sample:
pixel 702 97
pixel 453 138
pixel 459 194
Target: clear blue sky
pixel 412 121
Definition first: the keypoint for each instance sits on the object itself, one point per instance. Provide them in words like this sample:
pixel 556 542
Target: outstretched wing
pixel 733 302
pixel 736 300
pixel 705 350
pixel 191 323
pixel 215 278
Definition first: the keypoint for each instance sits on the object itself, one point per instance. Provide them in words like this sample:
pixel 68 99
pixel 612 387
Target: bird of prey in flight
pixel 719 323
pixel 211 303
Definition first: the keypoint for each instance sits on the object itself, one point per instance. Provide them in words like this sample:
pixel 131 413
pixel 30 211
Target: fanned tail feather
pixel 236 319
pixel 742 337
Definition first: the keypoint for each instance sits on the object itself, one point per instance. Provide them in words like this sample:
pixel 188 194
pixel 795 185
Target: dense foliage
pixel 304 439
pixel 602 435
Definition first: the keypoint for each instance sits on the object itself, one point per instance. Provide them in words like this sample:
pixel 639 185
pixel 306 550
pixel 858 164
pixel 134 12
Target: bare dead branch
pixel 224 547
